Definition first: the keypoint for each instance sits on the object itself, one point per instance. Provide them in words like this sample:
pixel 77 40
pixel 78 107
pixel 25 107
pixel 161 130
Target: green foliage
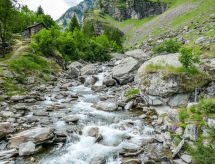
pixel 183 114
pixel 88 29
pixel 74 24
pixel 132 92
pixel 170 45
pixel 188 57
pixel 202 154
pixel 27 63
pixel 40 11
pixel 205 106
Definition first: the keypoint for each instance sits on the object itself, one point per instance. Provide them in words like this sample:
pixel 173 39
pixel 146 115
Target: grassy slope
pixel 200 13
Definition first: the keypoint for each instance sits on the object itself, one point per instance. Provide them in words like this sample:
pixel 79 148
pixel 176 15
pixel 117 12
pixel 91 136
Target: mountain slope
pixel 78 10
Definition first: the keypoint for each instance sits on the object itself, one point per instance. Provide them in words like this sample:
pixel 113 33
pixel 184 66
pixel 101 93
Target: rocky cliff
pixel 78 10
pixel 131 9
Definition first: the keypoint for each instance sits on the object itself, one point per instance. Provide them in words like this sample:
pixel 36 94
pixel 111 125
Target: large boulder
pixel 74 69
pixel 138 54
pixel 90 80
pixel 109 81
pixel 106 106
pixel 124 72
pixel 191 132
pixel 88 70
pixel 5 128
pixel 158 83
pixel 36 135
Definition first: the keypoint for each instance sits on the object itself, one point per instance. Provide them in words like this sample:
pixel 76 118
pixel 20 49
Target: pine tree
pixel 40 11
pixel 74 24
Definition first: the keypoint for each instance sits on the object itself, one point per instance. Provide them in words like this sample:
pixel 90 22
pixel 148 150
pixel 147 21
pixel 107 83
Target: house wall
pixel 34 30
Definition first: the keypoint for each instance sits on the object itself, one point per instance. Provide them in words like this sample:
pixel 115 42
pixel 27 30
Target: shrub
pixel 204 106
pixel 171 46
pixel 188 57
pixel 183 114
pixel 202 154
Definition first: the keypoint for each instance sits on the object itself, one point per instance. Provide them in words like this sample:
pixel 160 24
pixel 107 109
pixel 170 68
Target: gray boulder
pixel 179 100
pixel 6 154
pixel 109 81
pixel 27 148
pixel 5 128
pixel 74 69
pixel 106 106
pixel 36 135
pixel 88 70
pixel 191 132
pixel 90 80
pixel 124 72
pixel 138 54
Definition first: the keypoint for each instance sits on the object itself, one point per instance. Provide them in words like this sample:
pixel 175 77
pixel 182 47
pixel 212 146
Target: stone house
pixel 33 29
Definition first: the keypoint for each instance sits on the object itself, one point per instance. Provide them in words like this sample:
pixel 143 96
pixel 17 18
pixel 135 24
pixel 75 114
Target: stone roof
pixel 34 25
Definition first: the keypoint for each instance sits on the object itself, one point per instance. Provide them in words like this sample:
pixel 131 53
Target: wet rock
pixel 30 100
pixel 6 154
pixel 143 116
pixel 90 80
pixel 132 161
pixel 93 132
pixel 37 135
pixel 66 85
pixel 123 72
pixel 186 158
pixel 98 160
pixel 5 128
pixel 178 148
pixel 129 105
pixel 106 106
pixel 73 72
pixel 88 70
pixel 26 149
pixel 73 119
pixel 40 113
pixel 98 88
pixel 109 81
pixel 191 132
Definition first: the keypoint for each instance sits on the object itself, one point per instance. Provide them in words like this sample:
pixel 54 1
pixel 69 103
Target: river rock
pixel 5 128
pixel 36 135
pixel 20 106
pixel 88 70
pixel 132 161
pixel 106 106
pixel 27 148
pixel 191 132
pixel 73 119
pixel 124 72
pixel 109 81
pixel 18 98
pixel 98 160
pixel 129 105
pixel 75 65
pixel 6 154
pixel 93 132
pixel 74 69
pixel 90 80
pixel 138 54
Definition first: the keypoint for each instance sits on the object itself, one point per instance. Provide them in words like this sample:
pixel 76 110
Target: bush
pixel 204 106
pixel 202 154
pixel 171 46
pixel 183 114
pixel 188 57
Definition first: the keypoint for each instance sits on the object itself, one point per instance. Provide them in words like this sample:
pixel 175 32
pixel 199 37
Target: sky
pixel 55 8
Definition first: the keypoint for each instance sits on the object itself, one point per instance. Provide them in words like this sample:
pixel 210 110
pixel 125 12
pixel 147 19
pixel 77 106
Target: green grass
pixel 7 56
pixel 129 94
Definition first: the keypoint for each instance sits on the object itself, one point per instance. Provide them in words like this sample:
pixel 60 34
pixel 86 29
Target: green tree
pixel 7 11
pixel 88 29
pixel 40 11
pixel 74 24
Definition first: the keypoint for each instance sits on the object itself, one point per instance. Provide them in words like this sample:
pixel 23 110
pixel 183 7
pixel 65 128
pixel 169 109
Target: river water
pixel 121 131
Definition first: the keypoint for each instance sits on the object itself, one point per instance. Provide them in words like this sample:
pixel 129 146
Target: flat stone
pixel 6 154
pixel 178 148
pixel 26 149
pixel 106 106
pixel 186 158
pixel 36 135
pixel 5 128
